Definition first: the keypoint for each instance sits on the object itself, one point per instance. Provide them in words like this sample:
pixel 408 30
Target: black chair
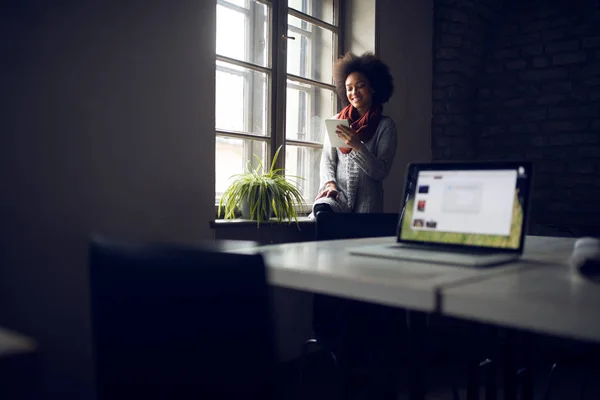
pixel 332 315
pixel 331 226
pixel 179 322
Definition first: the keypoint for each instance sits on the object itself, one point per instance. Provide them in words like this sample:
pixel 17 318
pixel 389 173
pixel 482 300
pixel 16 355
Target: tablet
pixel 330 124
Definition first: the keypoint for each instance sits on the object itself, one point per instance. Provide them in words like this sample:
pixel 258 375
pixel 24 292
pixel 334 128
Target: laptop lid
pixel 466 205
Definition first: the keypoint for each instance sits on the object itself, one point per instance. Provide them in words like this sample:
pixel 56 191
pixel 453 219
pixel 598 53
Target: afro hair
pixel 378 74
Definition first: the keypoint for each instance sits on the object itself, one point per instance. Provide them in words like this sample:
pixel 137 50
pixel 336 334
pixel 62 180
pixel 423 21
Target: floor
pixel 576 375
pixel 567 383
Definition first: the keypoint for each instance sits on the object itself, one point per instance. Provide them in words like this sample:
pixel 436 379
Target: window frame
pixel 278 79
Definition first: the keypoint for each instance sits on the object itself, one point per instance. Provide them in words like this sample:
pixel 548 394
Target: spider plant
pixel 260 194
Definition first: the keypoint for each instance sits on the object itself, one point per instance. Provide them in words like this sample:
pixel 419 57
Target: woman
pixel 352 181
pixel 352 177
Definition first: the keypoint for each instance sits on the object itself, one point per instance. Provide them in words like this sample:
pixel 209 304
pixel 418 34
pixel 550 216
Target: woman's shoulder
pixel 386 123
pixel 386 119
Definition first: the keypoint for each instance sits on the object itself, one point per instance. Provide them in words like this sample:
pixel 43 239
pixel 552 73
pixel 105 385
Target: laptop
pixel 471 214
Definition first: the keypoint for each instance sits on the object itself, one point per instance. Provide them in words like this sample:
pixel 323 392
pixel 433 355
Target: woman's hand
pixel 349 136
pixel 329 191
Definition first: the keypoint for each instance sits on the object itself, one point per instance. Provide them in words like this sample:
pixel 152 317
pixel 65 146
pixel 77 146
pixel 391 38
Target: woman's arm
pixel 378 167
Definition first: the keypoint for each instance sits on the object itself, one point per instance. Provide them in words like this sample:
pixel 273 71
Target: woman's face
pixel 359 91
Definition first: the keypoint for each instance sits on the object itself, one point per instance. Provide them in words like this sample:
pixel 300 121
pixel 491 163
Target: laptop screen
pixel 466 204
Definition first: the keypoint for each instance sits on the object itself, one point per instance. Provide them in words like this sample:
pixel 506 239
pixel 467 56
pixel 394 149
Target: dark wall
pixel 534 94
pixel 461 30
pixel 101 132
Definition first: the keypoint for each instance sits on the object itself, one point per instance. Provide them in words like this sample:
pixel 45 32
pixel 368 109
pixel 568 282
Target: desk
pixel 547 299
pixel 326 267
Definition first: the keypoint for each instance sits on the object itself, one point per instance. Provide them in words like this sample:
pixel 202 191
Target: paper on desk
pixel 330 125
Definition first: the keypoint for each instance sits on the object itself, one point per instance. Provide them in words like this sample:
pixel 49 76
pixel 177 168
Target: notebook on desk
pixel 472 214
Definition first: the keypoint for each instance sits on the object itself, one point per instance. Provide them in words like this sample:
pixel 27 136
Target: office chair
pixel 331 314
pixel 179 322
pixel 331 226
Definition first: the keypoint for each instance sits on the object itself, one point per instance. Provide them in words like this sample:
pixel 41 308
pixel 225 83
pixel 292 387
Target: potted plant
pixel 261 194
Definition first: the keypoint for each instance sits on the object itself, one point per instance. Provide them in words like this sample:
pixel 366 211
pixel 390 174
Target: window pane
pixel 241 101
pixel 321 9
pixel 311 54
pixel 304 162
pixel 243 32
pixel 306 110
pixel 232 156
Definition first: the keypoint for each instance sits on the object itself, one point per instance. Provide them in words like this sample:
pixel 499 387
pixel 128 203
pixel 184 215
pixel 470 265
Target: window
pixel 274 85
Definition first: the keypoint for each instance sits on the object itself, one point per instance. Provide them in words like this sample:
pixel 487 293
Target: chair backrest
pixel 178 322
pixel 355 225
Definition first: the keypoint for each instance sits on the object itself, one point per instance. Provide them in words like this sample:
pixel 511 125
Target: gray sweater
pixel 359 175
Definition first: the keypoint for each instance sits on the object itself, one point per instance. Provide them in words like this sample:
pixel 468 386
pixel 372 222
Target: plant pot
pixel 246 211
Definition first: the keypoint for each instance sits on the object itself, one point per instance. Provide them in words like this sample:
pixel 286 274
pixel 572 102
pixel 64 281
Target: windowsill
pixel 267 232
pixel 302 211
pixel 239 222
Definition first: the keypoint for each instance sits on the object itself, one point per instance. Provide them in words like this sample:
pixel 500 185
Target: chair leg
pixel 473 381
pixel 485 369
pixel 302 367
pixel 520 381
pixel 527 374
pixel 527 384
pixel 490 378
pixel 416 370
pixel 549 383
pixel 304 354
pixel 455 395
pixel 583 387
pixel 455 384
pixel 509 361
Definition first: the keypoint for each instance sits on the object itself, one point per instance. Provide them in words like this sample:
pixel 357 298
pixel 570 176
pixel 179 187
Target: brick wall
pixel 535 94
pixel 461 29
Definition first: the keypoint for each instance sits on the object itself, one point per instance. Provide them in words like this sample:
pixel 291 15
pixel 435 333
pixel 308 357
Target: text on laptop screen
pixel 471 207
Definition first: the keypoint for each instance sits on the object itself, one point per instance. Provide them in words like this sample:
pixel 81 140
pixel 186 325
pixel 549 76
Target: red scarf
pixel 365 125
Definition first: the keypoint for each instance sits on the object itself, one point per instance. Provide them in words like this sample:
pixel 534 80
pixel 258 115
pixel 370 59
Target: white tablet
pixel 330 125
